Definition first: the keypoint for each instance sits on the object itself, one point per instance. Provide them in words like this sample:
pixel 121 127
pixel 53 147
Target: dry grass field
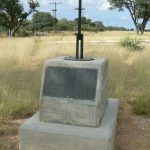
pixel 21 61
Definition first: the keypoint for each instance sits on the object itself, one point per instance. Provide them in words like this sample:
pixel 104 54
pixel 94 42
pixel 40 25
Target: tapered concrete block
pixel 74 92
pixel 37 135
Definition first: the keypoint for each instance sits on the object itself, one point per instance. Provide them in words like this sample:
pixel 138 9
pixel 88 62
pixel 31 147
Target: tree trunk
pixel 143 25
pixel 10 33
pixel 13 32
pixel 136 26
pixel 137 30
pixel 16 29
pixel 35 33
pixel 135 20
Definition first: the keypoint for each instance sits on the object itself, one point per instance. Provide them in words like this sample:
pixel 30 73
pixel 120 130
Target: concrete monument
pixel 75 112
pixel 74 92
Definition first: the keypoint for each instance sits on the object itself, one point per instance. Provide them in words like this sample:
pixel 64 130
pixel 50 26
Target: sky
pixel 96 10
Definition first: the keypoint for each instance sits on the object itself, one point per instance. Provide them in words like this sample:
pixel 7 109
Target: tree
pixel 25 29
pixel 85 23
pixel 89 25
pixel 63 25
pixel 143 13
pixel 115 28
pixel 42 21
pixel 66 25
pixel 12 14
pixel 99 26
pixel 138 9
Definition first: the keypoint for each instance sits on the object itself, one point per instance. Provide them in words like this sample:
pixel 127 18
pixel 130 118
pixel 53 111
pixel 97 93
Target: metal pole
pixel 79 39
pixel 79 15
pixel 54 15
pixel 53 21
pixel 55 9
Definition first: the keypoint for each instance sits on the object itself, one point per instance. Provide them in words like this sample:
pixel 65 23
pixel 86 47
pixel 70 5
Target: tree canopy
pixel 12 13
pixel 87 25
pixel 42 21
pixel 138 9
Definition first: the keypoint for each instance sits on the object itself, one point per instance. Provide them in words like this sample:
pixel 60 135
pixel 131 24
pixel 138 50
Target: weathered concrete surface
pixel 68 110
pixel 36 135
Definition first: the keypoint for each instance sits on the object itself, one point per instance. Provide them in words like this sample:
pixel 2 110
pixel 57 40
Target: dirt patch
pixel 133 131
pixel 9 134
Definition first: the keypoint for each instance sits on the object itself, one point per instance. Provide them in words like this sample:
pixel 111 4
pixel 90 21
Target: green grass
pixel 131 44
pixel 141 106
pixel 21 61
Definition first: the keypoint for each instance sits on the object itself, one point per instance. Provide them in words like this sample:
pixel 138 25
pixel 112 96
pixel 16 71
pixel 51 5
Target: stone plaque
pixel 75 83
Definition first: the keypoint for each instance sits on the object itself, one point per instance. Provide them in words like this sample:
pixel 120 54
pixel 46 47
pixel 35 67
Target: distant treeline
pixel 43 22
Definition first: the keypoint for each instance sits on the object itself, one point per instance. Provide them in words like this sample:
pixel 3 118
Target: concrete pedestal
pixel 36 135
pixel 74 92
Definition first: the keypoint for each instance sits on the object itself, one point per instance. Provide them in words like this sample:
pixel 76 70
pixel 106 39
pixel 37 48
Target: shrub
pixel 141 106
pixel 131 44
pixel 22 33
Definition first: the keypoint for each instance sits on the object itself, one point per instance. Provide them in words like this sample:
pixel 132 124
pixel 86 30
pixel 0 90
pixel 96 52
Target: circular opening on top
pixel 78 59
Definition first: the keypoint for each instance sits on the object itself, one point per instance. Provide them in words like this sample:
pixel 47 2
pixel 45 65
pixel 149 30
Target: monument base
pixel 36 135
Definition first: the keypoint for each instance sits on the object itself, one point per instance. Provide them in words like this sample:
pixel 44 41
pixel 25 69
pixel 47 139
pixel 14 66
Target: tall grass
pixel 142 70
pixel 21 62
pixel 19 78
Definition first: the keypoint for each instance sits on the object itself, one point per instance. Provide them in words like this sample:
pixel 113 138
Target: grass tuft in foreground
pixel 141 106
pixel 131 44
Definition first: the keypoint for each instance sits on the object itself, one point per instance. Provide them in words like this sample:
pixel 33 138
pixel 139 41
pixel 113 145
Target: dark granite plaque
pixel 75 83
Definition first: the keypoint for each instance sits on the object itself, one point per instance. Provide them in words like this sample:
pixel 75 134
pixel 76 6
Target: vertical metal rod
pixel 77 47
pixel 55 9
pixel 79 39
pixel 79 15
pixel 54 15
pixel 53 21
pixel 81 53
